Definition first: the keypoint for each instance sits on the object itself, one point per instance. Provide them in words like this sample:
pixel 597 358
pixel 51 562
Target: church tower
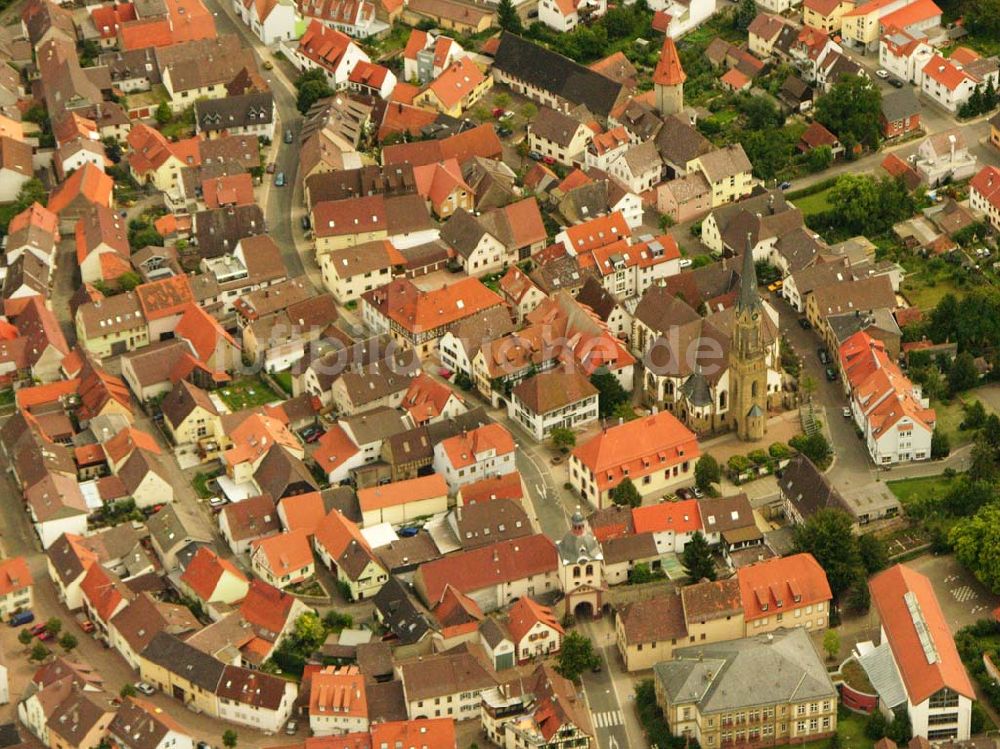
pixel 668 80
pixel 747 357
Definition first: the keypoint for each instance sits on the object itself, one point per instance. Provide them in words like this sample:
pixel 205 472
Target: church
pixel 716 373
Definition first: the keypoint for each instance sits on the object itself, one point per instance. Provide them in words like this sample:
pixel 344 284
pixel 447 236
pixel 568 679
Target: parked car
pixel 21 618
pixel 784 185
pixel 497 112
pixel 804 323
pixel 534 156
pixel 776 286
pixel 311 434
pixel 291 728
pixel 408 532
pixel 44 635
pixel 686 262
pixel 504 131
pixel 279 180
pixel 268 65
pixel 831 374
pixel 445 372
pixel 289 136
pixel 270 168
pixel 881 73
pixel 38 629
pixel 896 83
pixel 145 687
pixel 824 357
pixel 683 493
pixel 698 493
pixel 846 411
pixel 87 626
pixel 306 224
pixel 217 501
pixel 550 160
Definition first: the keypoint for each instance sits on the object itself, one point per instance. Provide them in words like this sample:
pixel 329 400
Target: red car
pixel 549 160
pixel 498 112
pixel 44 635
pixel 87 626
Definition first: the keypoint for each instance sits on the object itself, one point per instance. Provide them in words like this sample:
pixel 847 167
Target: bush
pixel 779 451
pixel 876 726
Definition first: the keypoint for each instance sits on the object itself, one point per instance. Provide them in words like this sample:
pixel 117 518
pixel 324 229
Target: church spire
pixel 669 71
pixel 749 298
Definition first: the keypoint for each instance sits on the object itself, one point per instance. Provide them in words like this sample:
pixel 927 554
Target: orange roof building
pixel 470 456
pixel 16 586
pixel 534 629
pixel 655 452
pixel 427 400
pixel 508 486
pixel 284 558
pixel 679 518
pixel 403 501
pixel 916 633
pixel 338 702
pixel 340 546
pixel 85 186
pixel 434 732
pixel 782 592
pixel 212 579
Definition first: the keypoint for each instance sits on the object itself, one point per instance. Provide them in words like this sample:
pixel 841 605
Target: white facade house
pixel 905 56
pixel 551 400
pixel 944 156
pixel 684 16
pixel 482 453
pixel 332 51
pixel 950 83
pixel 249 709
pixel 565 15
pixel 271 22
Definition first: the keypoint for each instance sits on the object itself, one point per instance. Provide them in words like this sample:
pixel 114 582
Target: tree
pixel 230 738
pixel 39 652
pixel 835 742
pixel 746 11
pixel 128 690
pixel 563 438
pixel 874 554
pixel 707 472
pixel 337 621
pixel 963 374
pixel 982 17
pixel 697 558
pixel 640 573
pixel 53 626
pixel 829 537
pixel 815 447
pixel 831 643
pixel 940 445
pixel 163 113
pixel 625 494
pixel 624 411
pixel 876 726
pixel 862 204
pixel 311 90
pixel 67 642
pixel 609 393
pixel 818 159
pixel 977 545
pixel 128 280
pixel 861 598
pixel 900 729
pixel 507 17
pixel 577 655
pixel 975 415
pixel 851 111
pixel 25 637
pixel 309 631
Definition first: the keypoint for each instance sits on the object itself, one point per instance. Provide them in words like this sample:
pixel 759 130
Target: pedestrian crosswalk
pixel 608 718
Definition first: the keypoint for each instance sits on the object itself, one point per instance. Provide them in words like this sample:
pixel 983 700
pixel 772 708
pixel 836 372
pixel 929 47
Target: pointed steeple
pixel 669 71
pixel 749 298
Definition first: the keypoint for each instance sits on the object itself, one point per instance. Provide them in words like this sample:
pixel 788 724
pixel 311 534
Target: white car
pixel 217 501
pixel 883 74
pixel 846 410
pixel 145 688
pixel 686 262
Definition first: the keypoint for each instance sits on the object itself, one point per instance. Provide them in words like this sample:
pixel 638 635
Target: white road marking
pixel 964 593
pixel 608 718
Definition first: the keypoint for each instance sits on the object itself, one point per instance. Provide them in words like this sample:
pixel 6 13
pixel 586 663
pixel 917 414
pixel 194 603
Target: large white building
pixel 890 410
pixel 470 456
pixel 917 664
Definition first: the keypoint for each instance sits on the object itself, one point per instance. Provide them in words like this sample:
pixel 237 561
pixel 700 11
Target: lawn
pixel 924 288
pixel 851 728
pixel 284 379
pixel 200 483
pixel 247 393
pixel 7 397
pixel 950 416
pixel 909 491
pixel 818 202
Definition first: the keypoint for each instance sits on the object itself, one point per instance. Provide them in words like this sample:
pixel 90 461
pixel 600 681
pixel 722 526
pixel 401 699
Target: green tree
pixel 337 621
pixel 39 652
pixel 977 545
pixel 163 113
pixel 900 729
pixel 851 111
pixel 53 626
pixel 563 438
pixel 829 537
pixel 609 393
pixel 624 411
pixel 974 415
pixel 831 643
pixel 815 447
pixel 577 655
pixel 640 573
pixel 128 690
pixel 874 554
pixel 230 738
pixel 309 631
pixel 982 17
pixel 746 11
pixel 862 204
pixel 625 494
pixel 697 558
pixel 963 374
pixel 876 726
pixel 507 17
pixel 128 280
pixel 940 445
pixel 312 86
pixel 835 742
pixel 25 637
pixel 707 471
pixel 68 641
pixel 819 159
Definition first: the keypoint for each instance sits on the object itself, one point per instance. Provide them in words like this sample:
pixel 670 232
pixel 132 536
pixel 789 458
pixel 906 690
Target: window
pixel 942 719
pixel 944 698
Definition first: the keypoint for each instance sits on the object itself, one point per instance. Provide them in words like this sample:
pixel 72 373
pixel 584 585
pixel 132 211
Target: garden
pixel 248 392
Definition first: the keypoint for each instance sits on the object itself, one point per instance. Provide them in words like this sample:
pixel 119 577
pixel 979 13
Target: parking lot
pixel 963 599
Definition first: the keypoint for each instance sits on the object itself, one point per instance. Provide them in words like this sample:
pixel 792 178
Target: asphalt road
pixel 278 202
pixel 607 706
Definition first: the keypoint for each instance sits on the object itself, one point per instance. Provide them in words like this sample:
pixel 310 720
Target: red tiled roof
pixel 102 592
pixel 166 297
pixel 508 486
pixel 456 82
pixel 333 449
pixel 637 448
pixel 679 517
pixel 764 584
pixel 303 511
pixel 286 553
pixel 203 572
pixel 417 310
pixel 463 448
pixel 204 333
pixel 430 732
pixel 915 12
pixel 89 181
pixel 597 232
pixel 232 189
pixel 504 562
pixel 338 691
pixel 267 607
pixel 14 575
pixel 401 492
pixel 122 444
pixel 910 612
pixel 525 614
pixel 669 71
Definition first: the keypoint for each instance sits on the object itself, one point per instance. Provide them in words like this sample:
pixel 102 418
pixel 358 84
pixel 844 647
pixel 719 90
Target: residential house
pixel 565 15
pixel 338 702
pixel 944 156
pixel 211 579
pixel 341 547
pixel 329 50
pixel 905 55
pixel 474 455
pixel 458 88
pixel 350 272
pixel 900 113
pixel 951 83
pixel 249 520
pixel 553 400
pixel 534 630
pixel 16 587
pixel 784 592
pixel 249 114
pixel 558 136
pixel 444 685
pixel 825 15
pixel 402 502
pixel 140 724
